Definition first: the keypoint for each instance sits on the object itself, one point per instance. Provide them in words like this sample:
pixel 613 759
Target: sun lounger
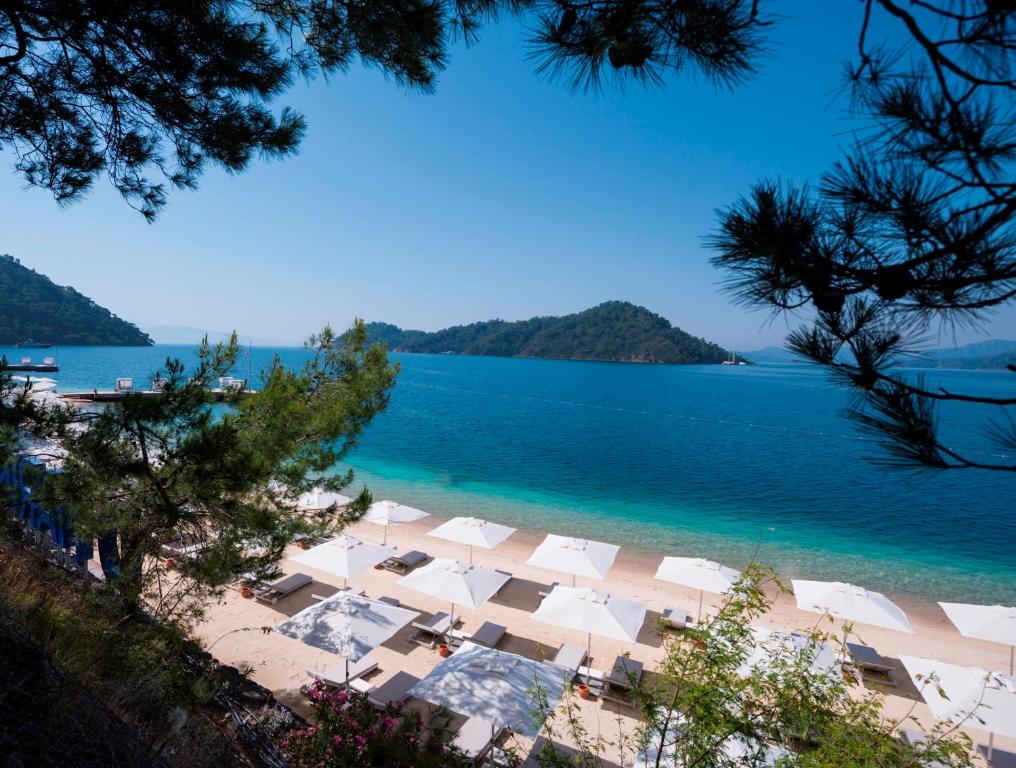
pixel 390 600
pixel 676 618
pixel 550 588
pixel 475 738
pixel 393 690
pixel 433 630
pixel 916 737
pixel 568 657
pixel 866 660
pixel 335 677
pixel 489 634
pixel 287 585
pixel 622 679
pixel 402 563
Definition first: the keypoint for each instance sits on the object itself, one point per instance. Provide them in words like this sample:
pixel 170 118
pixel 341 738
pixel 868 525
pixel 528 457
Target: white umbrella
pixel 851 603
pixel 38 383
pixel 697 573
pixel 456 582
pixel 474 532
pixel 985 622
pixel 770 645
pixel 492 685
pixel 592 612
pixel 346 624
pixel 579 557
pixel 319 498
pixel 968 696
pixel 345 556
pixel 388 513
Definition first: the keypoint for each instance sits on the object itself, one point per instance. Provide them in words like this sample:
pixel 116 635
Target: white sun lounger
pixel 335 677
pixel 435 628
pixel 676 618
pixel 402 563
pixel 393 690
pixel 864 659
pixel 273 591
pixel 475 738
pixel 568 657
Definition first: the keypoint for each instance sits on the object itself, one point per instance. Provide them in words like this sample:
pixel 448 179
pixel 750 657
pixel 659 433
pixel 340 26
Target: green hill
pixel 34 307
pixel 615 331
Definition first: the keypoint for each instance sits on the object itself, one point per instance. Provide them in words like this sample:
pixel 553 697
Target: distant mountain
pixel 772 355
pixel 34 307
pixel 186 334
pixel 615 331
pixel 990 354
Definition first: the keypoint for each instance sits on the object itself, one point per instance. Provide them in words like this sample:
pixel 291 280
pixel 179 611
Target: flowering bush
pixel 350 731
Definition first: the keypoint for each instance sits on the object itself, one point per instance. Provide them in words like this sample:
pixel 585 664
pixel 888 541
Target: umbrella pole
pixel 991 746
pixel 699 617
pixel 470 554
pixel 589 654
pixel 347 672
pixel 573 580
pixel 1012 652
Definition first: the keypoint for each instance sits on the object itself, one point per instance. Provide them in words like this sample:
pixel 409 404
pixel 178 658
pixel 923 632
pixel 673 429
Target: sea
pixel 733 463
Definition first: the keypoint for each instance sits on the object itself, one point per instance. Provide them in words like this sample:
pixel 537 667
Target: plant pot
pixel 699 643
pixel 170 563
pixel 304 544
pixel 583 690
pixel 246 592
pixel 444 650
pixel 379 567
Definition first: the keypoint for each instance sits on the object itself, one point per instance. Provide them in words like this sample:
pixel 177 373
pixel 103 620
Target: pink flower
pixel 360 742
pixel 337 739
pixel 342 697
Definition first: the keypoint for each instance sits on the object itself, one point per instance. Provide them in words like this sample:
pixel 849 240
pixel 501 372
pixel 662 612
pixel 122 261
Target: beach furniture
pixel 319 498
pixel 866 660
pixel 697 573
pixel 343 556
pixel 125 385
pixel 185 548
pixel 475 738
pixel 460 584
pixel 388 513
pixel 403 563
pixel 390 600
pixel 338 677
pixel 916 737
pixel 578 557
pixel 473 532
pixel 273 591
pixel 393 690
pixel 510 576
pixel 433 630
pixel 620 683
pixel 676 618
pixel 488 635
pixel 549 589
pixel 850 603
pixel 570 657
pixel 996 623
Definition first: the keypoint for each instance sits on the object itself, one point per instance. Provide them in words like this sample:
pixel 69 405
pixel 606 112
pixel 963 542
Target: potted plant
pixel 444 650
pixel 583 690
pixel 304 544
pixel 170 563
pixel 247 592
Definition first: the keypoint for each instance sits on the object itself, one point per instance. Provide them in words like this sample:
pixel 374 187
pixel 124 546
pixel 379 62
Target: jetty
pixel 48 365
pixel 228 388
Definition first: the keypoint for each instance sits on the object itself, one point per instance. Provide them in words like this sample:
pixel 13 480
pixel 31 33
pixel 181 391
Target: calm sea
pixel 693 460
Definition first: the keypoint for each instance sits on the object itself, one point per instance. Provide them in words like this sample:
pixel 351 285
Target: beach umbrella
pixel 473 532
pixel 592 612
pixel 319 498
pixel 388 513
pixel 346 624
pixel 460 584
pixel 38 383
pixel 697 573
pixel 851 603
pixel 579 557
pixel 345 556
pixel 985 622
pixel 967 696
pixel 769 645
pixel 492 685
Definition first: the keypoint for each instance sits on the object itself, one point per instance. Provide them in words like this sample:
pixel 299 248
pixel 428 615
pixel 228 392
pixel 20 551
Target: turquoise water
pixel 695 460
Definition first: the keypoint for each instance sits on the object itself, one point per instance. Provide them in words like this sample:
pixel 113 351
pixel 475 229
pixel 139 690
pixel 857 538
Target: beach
pixel 231 628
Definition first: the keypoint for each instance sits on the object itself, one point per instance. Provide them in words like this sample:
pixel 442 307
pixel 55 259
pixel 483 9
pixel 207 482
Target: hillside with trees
pixel 615 331
pixel 34 307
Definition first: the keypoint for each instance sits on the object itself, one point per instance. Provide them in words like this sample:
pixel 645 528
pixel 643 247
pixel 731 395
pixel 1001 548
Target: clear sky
pixel 501 195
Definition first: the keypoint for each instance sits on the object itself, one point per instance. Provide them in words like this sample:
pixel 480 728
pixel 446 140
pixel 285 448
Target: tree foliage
pixel 612 331
pixel 158 469
pixel 150 92
pixel 912 231
pixel 34 307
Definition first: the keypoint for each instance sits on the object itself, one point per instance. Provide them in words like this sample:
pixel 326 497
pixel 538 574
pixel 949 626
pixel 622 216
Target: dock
pixel 30 367
pixel 113 395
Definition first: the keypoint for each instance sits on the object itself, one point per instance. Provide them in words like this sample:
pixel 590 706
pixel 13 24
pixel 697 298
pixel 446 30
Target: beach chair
pixel 550 588
pixel 488 635
pixel 865 661
pixel 916 737
pixel 393 601
pixel 475 738
pixel 125 385
pixel 402 563
pixel 335 677
pixel 49 361
pixel 273 591
pixel 433 630
pixel 394 689
pixel 676 618
pixel 620 683
pixel 569 657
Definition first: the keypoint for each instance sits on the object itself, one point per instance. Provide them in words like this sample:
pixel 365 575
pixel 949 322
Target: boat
pixel 732 360
pixel 32 344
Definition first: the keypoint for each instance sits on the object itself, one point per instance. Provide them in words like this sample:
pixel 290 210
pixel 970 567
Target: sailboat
pixel 732 360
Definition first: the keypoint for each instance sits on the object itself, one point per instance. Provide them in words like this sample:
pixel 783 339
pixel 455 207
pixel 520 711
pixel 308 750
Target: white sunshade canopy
pixel 492 685
pixel 770 645
pixel 974 697
pixel 579 557
pixel 472 531
pixel 996 623
pixel 592 612
pixel 697 573
pixel 344 556
pixel 319 498
pixel 38 383
pixel 458 583
pixel 851 603
pixel 346 624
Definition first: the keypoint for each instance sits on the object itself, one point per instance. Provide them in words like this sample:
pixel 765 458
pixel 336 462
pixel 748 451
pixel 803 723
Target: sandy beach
pixel 231 628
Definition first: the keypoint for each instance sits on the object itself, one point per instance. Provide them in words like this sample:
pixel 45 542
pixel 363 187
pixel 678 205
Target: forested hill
pixel 614 331
pixel 34 307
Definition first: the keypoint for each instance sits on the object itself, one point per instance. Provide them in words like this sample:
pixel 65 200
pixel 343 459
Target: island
pixel 615 331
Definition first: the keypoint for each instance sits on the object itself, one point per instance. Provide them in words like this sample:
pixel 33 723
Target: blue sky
pixel 501 195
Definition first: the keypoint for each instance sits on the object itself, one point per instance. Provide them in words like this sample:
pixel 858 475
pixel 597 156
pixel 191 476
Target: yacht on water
pixel 733 360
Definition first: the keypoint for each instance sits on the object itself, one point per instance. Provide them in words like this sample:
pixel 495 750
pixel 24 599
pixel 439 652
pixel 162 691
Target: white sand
pixel 230 630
